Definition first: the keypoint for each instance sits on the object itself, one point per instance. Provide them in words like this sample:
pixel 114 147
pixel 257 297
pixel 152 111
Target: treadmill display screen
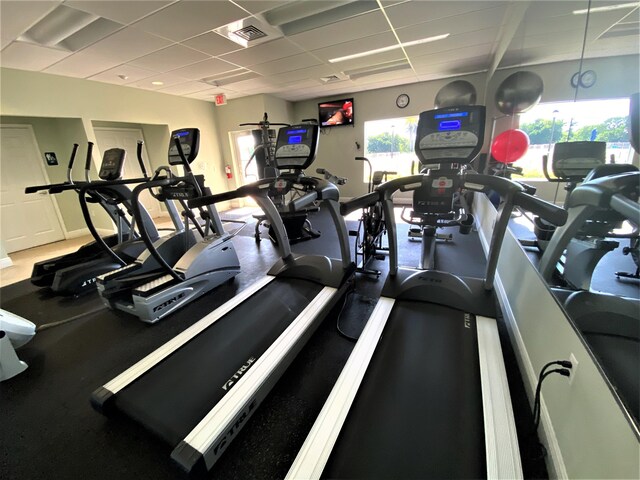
pixel 181 134
pixel 451 115
pixel 447 125
pixel 295 139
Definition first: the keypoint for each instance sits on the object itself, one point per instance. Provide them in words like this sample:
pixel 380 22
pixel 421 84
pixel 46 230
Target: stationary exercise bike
pixel 371 226
pixel 438 202
pixel 574 163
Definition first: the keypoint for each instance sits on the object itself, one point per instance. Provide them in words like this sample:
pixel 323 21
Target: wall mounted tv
pixel 336 112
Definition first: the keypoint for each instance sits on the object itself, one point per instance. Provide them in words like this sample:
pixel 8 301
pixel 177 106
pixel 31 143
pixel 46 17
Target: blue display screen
pixel 450 125
pixel 296 132
pixel 295 139
pixel 451 115
pixel 182 134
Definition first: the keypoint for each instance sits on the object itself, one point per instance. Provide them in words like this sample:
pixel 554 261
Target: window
pixel 598 120
pixel 389 145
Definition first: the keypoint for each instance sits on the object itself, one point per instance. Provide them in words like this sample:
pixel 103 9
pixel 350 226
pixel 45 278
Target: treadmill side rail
pixel 100 398
pixel 501 437
pixel 207 441
pixel 314 454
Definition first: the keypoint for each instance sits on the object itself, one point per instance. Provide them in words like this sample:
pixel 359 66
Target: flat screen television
pixel 336 112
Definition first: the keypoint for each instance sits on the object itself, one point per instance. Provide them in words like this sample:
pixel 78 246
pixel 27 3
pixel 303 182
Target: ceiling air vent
pixel 330 79
pixel 250 33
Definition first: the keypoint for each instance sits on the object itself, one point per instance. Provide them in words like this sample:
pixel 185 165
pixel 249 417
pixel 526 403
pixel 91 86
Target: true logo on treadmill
pixel 236 376
pixel 88 282
pixel 233 429
pixel 467 320
pixel 164 305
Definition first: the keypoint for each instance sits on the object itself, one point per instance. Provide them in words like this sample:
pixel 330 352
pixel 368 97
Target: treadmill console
pixel 112 164
pixel 450 135
pixel 190 143
pixel 297 146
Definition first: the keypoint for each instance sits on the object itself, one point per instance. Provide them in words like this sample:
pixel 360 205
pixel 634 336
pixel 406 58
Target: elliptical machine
pixel 438 202
pixel 180 267
pixel 297 223
pixel 75 273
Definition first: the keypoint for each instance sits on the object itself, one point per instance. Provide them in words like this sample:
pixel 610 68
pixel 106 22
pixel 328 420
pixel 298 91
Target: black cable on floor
pixel 47 326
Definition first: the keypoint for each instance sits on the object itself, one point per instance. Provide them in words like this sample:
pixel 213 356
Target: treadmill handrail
pixel 627 207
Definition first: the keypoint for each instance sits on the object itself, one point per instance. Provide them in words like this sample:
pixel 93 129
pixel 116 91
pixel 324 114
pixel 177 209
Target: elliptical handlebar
pixel 87 162
pixel 626 207
pixel 71 160
pixel 545 210
pixel 260 187
pixel 357 203
pixel 140 160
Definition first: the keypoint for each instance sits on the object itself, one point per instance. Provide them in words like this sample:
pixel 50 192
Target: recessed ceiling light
pixel 123 77
pixel 157 83
pixel 607 8
pixel 389 48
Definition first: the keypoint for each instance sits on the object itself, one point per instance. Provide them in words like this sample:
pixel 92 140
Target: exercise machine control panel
pixel 574 160
pixel 189 141
pixel 450 135
pixel 297 146
pixel 112 164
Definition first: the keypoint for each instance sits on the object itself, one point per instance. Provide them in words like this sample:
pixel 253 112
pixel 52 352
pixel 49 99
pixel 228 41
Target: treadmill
pixel 424 393
pixel 199 389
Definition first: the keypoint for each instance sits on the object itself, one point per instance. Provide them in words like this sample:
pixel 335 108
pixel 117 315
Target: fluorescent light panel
pixel 607 8
pixel 389 48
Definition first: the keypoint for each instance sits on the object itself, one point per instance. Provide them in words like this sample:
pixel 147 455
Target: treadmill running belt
pixel 172 398
pixel 418 412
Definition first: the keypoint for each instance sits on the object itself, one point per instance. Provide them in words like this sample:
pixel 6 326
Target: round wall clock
pixel 586 80
pixel 402 100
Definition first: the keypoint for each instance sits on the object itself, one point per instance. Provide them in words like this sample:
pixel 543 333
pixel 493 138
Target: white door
pixel 245 168
pixel 26 220
pixel 127 138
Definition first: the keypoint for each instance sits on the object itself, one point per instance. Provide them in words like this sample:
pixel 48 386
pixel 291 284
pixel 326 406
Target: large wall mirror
pixel 586 53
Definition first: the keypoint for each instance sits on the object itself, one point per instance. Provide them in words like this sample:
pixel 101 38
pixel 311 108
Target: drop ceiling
pixel 179 47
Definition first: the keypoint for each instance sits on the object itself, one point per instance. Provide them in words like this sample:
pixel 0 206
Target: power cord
pixel 564 371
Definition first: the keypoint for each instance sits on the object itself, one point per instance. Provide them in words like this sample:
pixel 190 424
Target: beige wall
pixel 32 94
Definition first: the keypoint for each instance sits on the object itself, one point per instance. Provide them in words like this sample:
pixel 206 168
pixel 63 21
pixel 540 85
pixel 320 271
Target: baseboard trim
pixel 81 232
pixel 5 262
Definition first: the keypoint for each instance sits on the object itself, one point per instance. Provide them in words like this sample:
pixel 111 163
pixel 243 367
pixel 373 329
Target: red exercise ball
pixel 510 145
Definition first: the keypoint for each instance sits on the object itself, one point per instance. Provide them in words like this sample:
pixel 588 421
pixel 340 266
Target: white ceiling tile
pixel 169 58
pixel 370 60
pixel 82 65
pixel 190 18
pixel 124 12
pixel 131 73
pixel 471 22
pixel 263 53
pixel 26 56
pixel 295 62
pixel 479 37
pixel 547 9
pixel 208 68
pixel 167 80
pixel 127 44
pixel 448 55
pixel 343 31
pixel 259 6
pixel 18 16
pixel 411 13
pixel 304 73
pixel 356 46
pixel 212 44
pixel 185 88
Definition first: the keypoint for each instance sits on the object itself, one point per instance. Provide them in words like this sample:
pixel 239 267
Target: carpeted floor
pixel 49 429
